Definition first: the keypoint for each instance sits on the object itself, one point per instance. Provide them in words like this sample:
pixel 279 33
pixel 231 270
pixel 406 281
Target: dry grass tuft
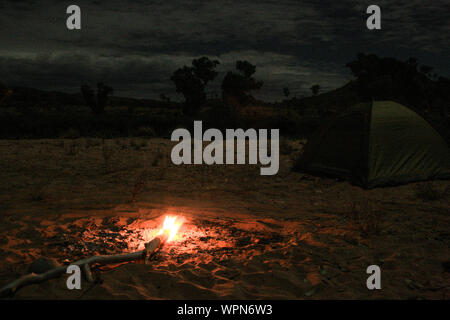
pixel 429 191
pixel 37 195
pixel 134 144
pixel 286 147
pixel 38 192
pixel 92 142
pixel 107 153
pixel 157 159
pixel 367 219
pixel 146 132
pixel 139 184
pixel 71 148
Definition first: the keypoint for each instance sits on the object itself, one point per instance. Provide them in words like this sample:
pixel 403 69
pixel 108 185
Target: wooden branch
pixel 84 264
pixel 151 246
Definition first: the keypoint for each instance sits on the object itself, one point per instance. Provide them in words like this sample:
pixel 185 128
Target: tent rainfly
pixel 376 144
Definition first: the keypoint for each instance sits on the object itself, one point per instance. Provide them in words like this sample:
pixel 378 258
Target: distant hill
pixel 330 102
pixel 376 78
pixel 23 97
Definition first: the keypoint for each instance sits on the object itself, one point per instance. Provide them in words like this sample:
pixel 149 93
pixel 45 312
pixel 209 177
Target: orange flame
pixel 170 227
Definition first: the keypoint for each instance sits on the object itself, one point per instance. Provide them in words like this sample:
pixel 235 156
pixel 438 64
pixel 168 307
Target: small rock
pixel 42 265
pixel 243 241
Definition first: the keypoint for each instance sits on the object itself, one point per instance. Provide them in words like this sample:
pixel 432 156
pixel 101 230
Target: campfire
pixel 100 244
pixel 170 227
pixel 167 233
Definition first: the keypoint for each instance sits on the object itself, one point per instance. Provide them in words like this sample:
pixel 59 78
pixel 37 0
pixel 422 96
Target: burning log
pixel 165 234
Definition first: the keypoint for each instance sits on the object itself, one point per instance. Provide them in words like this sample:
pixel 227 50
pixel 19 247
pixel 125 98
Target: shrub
pixel 365 217
pixel 71 133
pixel 71 148
pixel 286 147
pixel 429 191
pixel 139 184
pixel 145 132
pixel 96 101
pixel 107 152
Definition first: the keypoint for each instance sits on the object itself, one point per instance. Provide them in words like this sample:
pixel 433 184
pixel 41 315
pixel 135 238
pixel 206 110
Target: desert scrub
pixel 139 184
pixel 297 157
pixel 38 191
pixel 92 142
pixel 286 147
pixel 145 132
pixel 37 194
pixel 71 148
pixel 430 191
pixel 107 153
pixel 157 158
pixel 365 217
pixel 135 145
pixel 143 176
pixel 71 133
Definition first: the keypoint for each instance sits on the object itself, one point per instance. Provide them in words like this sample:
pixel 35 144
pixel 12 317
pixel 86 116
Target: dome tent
pixel 375 144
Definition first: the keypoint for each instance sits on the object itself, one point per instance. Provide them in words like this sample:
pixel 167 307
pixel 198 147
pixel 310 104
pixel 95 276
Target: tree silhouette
pixel 386 78
pixel 164 98
pixel 426 70
pixel 443 84
pixel 239 85
pixel 245 68
pixel 315 89
pixel 411 61
pixel 97 102
pixel 204 69
pixel 191 82
pixel 406 82
pixel 3 91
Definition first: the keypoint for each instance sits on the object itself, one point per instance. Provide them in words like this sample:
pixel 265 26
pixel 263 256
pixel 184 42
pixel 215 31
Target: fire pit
pixel 201 252
pixel 167 233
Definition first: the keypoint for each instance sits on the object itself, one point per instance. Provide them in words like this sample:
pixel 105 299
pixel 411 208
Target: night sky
pixel 134 46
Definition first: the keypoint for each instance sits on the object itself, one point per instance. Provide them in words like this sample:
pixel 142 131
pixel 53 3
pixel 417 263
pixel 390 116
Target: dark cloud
pixel 136 45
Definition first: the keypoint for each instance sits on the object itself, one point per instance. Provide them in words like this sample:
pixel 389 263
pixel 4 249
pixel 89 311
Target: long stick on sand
pixel 84 264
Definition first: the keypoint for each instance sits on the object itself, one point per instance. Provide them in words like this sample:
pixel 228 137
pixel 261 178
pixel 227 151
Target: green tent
pixel 376 144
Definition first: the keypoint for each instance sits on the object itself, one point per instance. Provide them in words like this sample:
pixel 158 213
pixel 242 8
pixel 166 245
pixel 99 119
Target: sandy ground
pixel 245 236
